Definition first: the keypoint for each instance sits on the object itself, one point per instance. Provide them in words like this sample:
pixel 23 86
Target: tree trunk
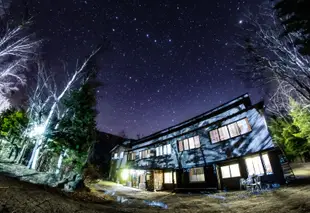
pixel 59 163
pixel 21 154
pixel 34 156
pixel 42 161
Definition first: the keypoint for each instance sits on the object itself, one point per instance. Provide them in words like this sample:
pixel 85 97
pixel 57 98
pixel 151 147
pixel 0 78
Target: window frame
pixel 230 173
pixel 131 156
pixel 115 155
pixel 121 155
pixel 226 125
pixel 198 181
pixel 193 138
pixel 143 154
pixel 262 161
pixel 160 150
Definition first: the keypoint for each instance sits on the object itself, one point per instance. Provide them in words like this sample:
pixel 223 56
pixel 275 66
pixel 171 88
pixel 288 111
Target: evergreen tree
pixel 292 133
pixel 301 119
pixel 296 17
pixel 76 131
pixel 13 123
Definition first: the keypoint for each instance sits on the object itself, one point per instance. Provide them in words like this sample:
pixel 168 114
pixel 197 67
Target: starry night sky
pixel 169 60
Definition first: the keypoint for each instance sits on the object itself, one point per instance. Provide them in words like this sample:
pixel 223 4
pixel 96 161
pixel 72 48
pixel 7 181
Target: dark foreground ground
pixel 17 196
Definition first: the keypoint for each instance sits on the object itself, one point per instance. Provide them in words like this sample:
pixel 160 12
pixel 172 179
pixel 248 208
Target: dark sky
pixel 170 59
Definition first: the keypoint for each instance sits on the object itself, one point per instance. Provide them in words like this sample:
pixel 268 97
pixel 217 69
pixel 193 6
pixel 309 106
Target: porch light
pixel 125 174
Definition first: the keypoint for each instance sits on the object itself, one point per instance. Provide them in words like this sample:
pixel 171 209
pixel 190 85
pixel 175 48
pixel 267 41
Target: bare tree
pixel 4 103
pixel 272 60
pixel 4 6
pixel 45 102
pixel 16 50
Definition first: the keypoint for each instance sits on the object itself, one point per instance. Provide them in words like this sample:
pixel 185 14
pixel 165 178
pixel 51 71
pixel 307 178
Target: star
pixel 172 59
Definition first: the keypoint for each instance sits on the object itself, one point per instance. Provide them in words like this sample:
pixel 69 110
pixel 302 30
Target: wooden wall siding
pixel 188 129
pixel 120 162
pixel 244 99
pixel 257 140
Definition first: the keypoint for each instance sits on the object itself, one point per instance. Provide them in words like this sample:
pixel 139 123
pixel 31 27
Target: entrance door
pixel 150 181
pixel 158 179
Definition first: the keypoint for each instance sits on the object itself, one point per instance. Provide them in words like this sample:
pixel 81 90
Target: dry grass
pixel 284 200
pixel 301 170
pixel 17 196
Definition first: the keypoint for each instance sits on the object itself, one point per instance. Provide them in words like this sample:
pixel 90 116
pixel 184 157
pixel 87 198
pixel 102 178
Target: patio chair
pixel 253 183
pixel 242 183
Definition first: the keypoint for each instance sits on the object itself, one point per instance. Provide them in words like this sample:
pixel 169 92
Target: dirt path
pixel 284 200
pixel 131 196
pixel 17 196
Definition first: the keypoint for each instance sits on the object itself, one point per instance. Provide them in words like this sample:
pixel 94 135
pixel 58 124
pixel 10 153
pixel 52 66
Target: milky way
pixel 169 60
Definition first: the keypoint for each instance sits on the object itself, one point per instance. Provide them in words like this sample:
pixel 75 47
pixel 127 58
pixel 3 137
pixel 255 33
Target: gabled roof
pixel 243 98
pixel 115 147
pixel 126 143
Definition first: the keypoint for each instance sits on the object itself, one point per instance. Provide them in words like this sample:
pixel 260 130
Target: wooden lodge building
pixel 213 150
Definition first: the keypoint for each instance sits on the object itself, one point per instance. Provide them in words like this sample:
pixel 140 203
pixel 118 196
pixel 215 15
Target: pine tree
pixel 296 17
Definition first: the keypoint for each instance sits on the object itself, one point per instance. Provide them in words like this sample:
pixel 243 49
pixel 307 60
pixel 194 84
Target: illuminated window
pixel 230 171
pixel 234 170
pixel 186 145
pixel 229 131
pixel 196 174
pixel 254 166
pixel 258 165
pixel 223 132
pixel 214 136
pixel 168 177
pixel 131 156
pixel 163 150
pixel 115 156
pixel 244 126
pixel 197 141
pixel 233 130
pixel 180 146
pixel 267 164
pixel 168 149
pixel 145 153
pixel 189 143
pixel 225 172
pixel 159 151
pixel 121 155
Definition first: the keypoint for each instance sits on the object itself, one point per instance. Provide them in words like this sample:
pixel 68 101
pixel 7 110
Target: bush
pixel 91 173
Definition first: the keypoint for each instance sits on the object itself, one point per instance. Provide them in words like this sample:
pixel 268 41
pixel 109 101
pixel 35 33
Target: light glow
pixel 37 131
pixel 125 174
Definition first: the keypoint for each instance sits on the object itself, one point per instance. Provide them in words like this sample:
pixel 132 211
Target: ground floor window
pixel 258 165
pixel 196 174
pixel 230 171
pixel 267 164
pixel 168 177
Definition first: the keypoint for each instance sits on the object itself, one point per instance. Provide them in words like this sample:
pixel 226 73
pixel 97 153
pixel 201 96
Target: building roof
pixel 243 98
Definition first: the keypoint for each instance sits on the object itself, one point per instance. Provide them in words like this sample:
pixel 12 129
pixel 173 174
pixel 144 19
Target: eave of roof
pixel 194 119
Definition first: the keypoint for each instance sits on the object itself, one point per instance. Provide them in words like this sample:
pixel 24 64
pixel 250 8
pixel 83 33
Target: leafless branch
pixel 272 60
pixel 16 50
